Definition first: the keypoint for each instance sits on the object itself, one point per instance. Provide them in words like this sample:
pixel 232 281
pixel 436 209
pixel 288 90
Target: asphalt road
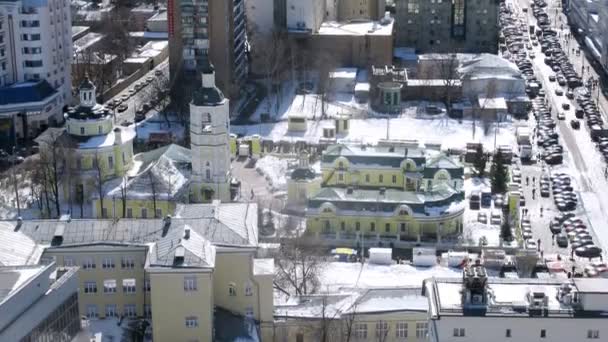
pixel 570 139
pixel 141 97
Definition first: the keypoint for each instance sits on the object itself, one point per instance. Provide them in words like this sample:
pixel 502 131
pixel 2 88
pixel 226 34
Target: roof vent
pixel 58 235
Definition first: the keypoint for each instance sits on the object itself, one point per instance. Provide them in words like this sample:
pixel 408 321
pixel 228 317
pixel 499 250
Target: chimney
pixel 208 79
pixel 117 136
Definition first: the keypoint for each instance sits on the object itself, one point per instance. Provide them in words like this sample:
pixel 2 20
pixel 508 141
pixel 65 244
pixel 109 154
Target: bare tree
pixel 154 189
pixel 99 181
pixel 448 71
pixel 298 268
pixel 52 159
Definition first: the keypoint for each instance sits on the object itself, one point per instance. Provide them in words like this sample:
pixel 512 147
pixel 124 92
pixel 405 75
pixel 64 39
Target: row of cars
pixel 120 103
pixel 555 56
pixel 547 136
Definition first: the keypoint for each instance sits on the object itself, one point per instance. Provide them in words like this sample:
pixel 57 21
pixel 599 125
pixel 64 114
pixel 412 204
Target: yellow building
pixel 93 149
pixel 177 272
pixel 388 192
pixel 379 314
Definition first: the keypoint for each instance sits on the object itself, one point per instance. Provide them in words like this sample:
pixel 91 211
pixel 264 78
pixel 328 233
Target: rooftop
pixel 233 224
pixel 356 28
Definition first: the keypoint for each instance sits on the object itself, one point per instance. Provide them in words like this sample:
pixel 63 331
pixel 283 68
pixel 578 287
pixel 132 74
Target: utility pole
pixel 14 177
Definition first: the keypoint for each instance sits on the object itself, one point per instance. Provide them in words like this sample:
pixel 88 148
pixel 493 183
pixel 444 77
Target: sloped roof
pixel 178 249
pixel 488 66
pixel 30 91
pixel 240 231
pixel 17 248
pixel 166 170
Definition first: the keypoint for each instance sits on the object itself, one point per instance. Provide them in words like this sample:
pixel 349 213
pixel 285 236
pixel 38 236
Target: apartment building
pixel 591 19
pixel 38 302
pixel 390 192
pixel 479 308
pixel 447 26
pixel 208 30
pixel 177 271
pixel 35 46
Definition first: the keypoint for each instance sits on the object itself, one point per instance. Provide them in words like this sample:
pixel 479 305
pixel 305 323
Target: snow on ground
pixel 451 133
pixel 342 274
pixel 275 170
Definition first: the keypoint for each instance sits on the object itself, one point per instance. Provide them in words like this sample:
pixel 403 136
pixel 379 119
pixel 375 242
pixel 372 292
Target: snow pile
pixel 275 171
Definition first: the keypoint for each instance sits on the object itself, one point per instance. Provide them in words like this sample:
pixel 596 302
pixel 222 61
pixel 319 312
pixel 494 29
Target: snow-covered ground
pixel 335 275
pixel 275 171
pixel 451 133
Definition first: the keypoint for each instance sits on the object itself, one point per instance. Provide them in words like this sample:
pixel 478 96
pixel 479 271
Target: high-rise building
pixel 209 131
pixel 449 26
pixel 35 45
pixel 200 30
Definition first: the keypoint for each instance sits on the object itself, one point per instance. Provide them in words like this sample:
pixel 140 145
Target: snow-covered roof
pixel 163 172
pixel 488 66
pixel 17 248
pixel 356 28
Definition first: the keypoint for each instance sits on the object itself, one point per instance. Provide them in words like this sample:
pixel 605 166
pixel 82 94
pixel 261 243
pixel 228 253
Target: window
pixel 88 263
pixel 381 330
pixel 232 290
pixel 543 333
pixel 111 162
pixel 128 286
pixel 68 261
pixel 191 322
pixel 401 331
pixel 130 310
pixel 90 287
pixel 387 228
pixel 394 179
pixel 593 334
pixel 92 311
pixel 190 284
pixel 381 178
pixel 129 212
pixel 422 329
pixel 144 212
pixel 127 262
pixel 159 213
pixel 458 332
pixel 508 333
pixel 248 289
pixel 111 310
pixel 360 330
pixel 372 227
pixel 107 263
pixel 147 310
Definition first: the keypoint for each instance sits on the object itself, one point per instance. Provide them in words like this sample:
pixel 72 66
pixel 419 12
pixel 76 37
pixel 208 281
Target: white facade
pixel 478 308
pixel 209 140
pixel 305 15
pixel 36 43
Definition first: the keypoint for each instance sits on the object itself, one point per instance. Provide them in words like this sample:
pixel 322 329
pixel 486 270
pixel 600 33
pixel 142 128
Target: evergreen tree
pixel 479 161
pixel 498 173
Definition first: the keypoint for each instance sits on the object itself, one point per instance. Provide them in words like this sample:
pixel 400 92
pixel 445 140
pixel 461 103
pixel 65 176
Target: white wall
pixel 484 329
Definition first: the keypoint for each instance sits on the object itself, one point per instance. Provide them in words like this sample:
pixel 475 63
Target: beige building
pixel 179 272
pixel 379 314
